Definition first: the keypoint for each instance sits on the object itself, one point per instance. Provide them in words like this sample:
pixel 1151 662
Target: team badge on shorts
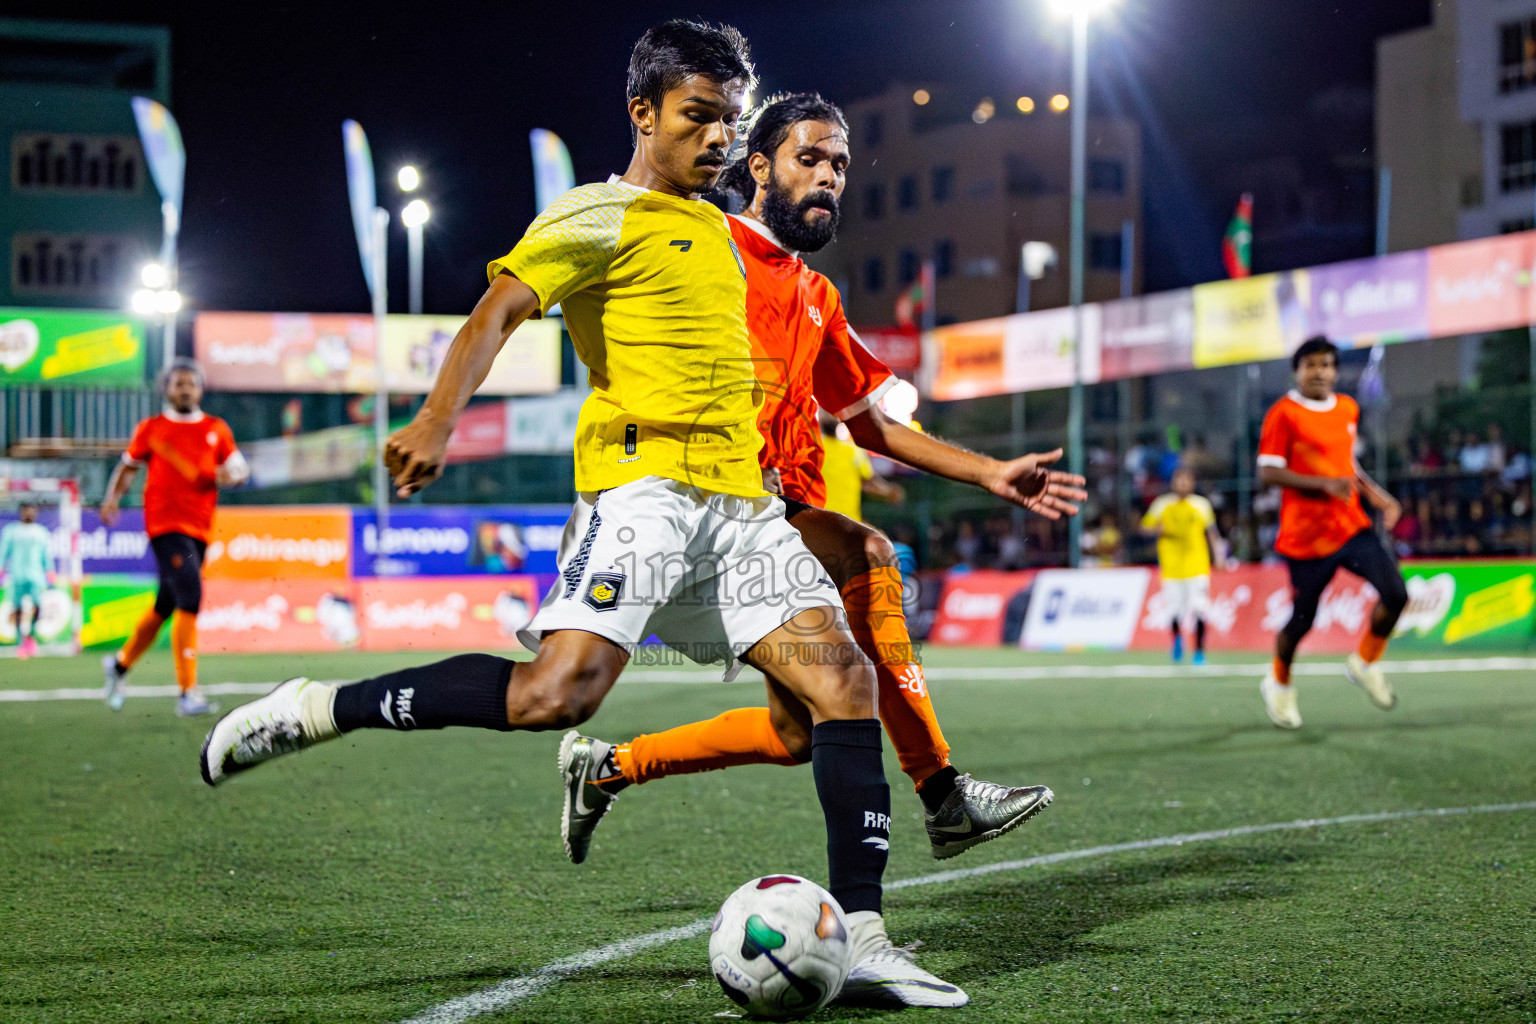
pixel 604 591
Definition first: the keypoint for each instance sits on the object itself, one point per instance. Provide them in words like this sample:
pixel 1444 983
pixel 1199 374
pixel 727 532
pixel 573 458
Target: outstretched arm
pixel 117 486
pixel 1380 497
pixel 414 453
pixel 1025 481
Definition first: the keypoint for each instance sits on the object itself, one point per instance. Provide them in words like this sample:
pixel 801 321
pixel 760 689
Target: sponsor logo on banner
pixel 261 543
pixel 70 346
pixel 459 541
pixel 246 616
pixel 898 348
pixel 974 606
pixel 1149 334
pixel 1251 319
pixel 1023 352
pixel 1483 285
pixel 1362 302
pixel 1429 602
pixel 302 352
pixel 467 613
pixel 1085 608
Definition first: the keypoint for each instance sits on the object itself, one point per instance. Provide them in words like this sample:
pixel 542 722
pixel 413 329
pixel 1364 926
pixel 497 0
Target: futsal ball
pixel 780 946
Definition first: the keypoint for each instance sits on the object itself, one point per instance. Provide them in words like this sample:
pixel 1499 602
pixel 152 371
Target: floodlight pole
pixel 1075 454
pixel 171 219
pixel 381 392
pixel 413 230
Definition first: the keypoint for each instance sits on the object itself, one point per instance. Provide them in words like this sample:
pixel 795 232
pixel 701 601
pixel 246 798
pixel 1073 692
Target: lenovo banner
pixel 458 540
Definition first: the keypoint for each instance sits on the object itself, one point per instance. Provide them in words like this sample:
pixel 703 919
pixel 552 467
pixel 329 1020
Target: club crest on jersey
pixel 815 315
pixel 214 438
pixel 604 591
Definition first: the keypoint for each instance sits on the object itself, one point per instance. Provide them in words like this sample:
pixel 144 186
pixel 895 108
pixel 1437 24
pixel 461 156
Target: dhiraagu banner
pixel 48 346
pixel 1468 606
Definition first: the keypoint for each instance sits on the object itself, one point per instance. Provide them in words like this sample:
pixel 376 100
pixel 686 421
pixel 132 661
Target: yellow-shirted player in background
pixel 849 475
pixel 1187 543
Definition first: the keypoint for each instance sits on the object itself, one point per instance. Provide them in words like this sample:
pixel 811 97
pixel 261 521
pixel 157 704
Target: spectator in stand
pixel 1517 468
pixel 1408 532
pixel 967 544
pixel 1497 452
pixel 1010 548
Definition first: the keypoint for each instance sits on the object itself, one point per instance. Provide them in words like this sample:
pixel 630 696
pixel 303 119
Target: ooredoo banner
pixel 255 542
pixel 974 607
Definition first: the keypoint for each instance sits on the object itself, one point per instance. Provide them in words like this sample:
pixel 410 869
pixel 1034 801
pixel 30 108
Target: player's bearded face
pixel 805 223
pixel 183 391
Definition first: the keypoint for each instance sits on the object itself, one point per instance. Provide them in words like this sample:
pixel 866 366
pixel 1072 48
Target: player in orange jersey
pixel 791 176
pixel 190 455
pixel 1308 449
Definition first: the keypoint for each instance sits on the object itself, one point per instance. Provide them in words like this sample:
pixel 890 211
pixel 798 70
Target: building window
pixel 908 267
pixel 1106 176
pixel 874 201
pixel 874 130
pixel 1104 252
pixel 1517 55
pixel 1021 178
pixel 943 257
pixel 1517 157
pixel 943 184
pixel 874 275
pixel 906 193
pixel 1471 191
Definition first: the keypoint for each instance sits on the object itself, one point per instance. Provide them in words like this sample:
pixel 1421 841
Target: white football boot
pixel 1369 677
pixel 295 715
pixel 886 975
pixel 115 687
pixel 1280 702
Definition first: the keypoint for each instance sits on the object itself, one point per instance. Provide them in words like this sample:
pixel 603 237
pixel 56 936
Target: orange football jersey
pixel 183 454
pixel 805 356
pixel 1314 439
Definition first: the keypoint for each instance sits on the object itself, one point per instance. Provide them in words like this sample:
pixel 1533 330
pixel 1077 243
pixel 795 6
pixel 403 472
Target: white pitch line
pixel 1019 673
pixel 526 986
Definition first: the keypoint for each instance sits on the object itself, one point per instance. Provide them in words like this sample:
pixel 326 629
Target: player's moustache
pixel 822 200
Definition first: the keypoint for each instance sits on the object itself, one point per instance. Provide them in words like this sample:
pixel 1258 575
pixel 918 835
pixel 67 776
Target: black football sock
pixel 937 787
pixel 850 781
pixel 1200 635
pixel 470 689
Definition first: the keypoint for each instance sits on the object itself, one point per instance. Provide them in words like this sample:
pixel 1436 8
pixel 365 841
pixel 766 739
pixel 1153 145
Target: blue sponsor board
pixel 123 548
pixel 458 540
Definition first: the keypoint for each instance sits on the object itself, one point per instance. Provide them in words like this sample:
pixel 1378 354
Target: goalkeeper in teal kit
pixel 26 565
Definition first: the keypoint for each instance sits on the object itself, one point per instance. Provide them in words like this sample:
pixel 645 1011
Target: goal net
pixel 59 612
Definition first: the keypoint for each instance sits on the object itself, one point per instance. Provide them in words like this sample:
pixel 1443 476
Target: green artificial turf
pixel 379 875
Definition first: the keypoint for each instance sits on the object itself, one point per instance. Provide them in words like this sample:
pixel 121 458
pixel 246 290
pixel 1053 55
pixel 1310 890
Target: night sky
pixel 260 92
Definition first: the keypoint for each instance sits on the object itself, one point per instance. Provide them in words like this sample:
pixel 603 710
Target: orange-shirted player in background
pixel 1308 449
pixel 190 455
pixel 791 176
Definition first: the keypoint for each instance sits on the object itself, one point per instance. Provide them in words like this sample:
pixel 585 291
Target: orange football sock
pixel 1372 647
pixel 1282 672
pixel 742 736
pixel 184 648
pixel 143 636
pixel 879 625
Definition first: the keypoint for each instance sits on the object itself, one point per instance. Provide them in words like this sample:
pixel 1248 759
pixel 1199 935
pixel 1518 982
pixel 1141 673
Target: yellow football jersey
pixel 654 294
pixel 1182 550
pixel 844 469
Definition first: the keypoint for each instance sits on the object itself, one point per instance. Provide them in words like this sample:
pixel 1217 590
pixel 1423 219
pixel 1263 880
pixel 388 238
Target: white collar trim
pixel 766 232
pixel 1326 405
pixel 195 416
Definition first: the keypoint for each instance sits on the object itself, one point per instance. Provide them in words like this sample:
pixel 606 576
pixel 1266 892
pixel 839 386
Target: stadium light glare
pixel 144 301
pixel 415 214
pixel 154 276
pixel 1060 103
pixel 1086 8
pixel 1026 105
pixel 921 97
pixel 167 301
pixel 984 110
pixel 409 178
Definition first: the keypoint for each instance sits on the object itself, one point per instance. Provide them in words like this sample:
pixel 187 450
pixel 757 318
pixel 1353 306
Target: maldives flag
pixel 917 299
pixel 1237 246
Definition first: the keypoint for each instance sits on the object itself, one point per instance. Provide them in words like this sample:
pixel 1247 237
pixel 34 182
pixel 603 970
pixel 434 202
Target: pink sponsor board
pixel 1482 285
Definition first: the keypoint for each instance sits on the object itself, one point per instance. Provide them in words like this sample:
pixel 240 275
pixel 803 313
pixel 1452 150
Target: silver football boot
pixel 590 781
pixel 977 811
pixel 295 715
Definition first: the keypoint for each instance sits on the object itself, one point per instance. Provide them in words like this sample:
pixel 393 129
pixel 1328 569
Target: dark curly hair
pixel 770 125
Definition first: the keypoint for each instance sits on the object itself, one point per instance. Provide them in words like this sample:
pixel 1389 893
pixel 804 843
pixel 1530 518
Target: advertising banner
pixel 480 433
pixel 277 615
pixel 899 348
pixel 1481 605
pixel 974 607
pixel 111 606
pixel 76 346
pixel 1251 319
pixel 1483 285
pixel 1093 609
pixel 458 540
pixel 255 542
pixel 473 613
pixel 544 426
pixel 1023 352
pixel 1363 302
pixel 414 347
pixel 1149 334
pixel 304 352
pixel 123 548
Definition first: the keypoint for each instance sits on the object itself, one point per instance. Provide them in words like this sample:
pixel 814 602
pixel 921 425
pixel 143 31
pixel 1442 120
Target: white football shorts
pixel 1188 597
pixel 708 574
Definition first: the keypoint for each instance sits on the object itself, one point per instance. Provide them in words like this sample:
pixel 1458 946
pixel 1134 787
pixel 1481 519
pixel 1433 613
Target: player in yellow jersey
pixel 849 474
pixel 672 533
pixel 1187 542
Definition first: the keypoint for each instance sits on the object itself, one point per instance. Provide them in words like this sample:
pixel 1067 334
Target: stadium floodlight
pixel 154 275
pixel 1080 8
pixel 415 214
pixel 144 301
pixel 409 178
pixel 167 300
